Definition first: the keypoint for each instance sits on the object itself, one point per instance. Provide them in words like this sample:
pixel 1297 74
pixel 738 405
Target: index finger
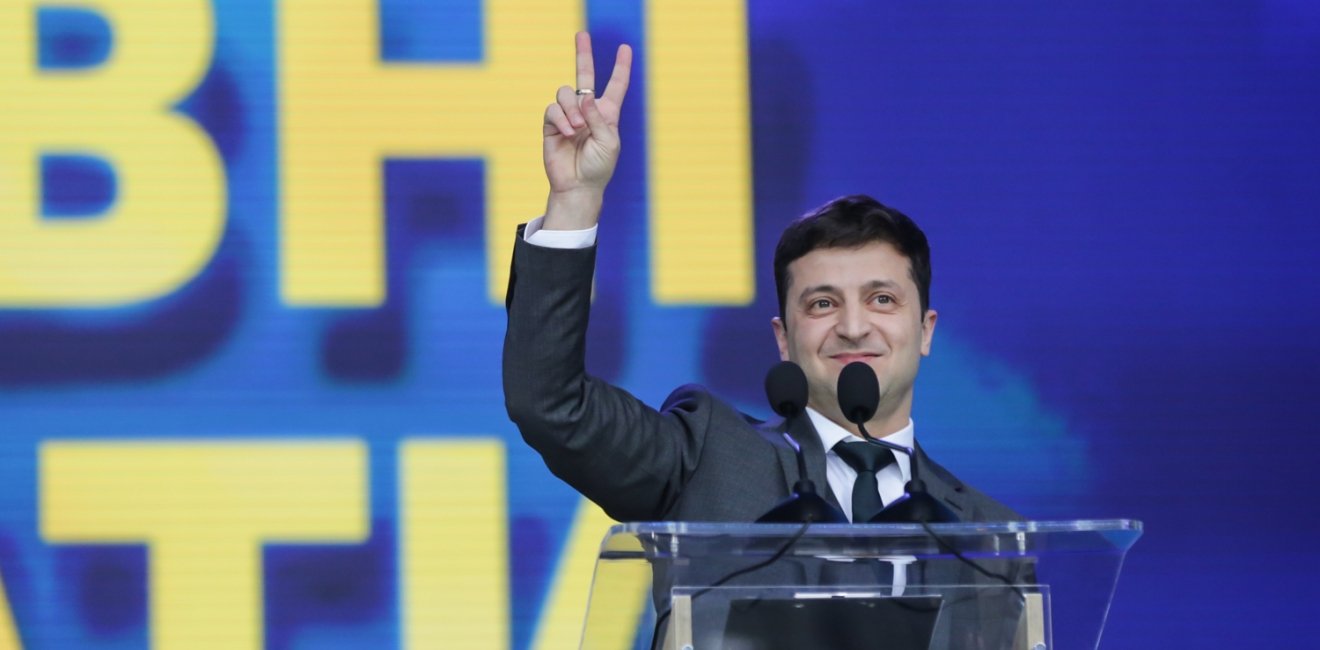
pixel 586 71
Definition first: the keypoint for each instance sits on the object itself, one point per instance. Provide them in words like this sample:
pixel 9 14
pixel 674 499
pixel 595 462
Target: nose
pixel 853 324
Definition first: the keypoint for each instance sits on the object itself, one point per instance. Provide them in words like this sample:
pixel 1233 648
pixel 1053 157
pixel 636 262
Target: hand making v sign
pixel 581 145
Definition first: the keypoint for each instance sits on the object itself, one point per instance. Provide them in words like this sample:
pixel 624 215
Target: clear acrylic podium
pixel 1015 585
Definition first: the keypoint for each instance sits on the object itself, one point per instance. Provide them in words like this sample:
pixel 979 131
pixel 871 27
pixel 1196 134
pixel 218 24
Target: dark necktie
pixel 867 459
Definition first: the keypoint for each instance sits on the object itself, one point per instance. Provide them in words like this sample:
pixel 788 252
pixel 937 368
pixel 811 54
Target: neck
pixel 891 414
pixel 881 425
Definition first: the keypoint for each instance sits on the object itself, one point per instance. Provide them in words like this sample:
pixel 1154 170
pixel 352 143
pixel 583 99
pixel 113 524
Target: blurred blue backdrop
pixel 1121 199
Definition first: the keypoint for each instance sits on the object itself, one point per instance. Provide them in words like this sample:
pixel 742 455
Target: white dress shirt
pixel 891 479
pixel 533 234
pixel 841 476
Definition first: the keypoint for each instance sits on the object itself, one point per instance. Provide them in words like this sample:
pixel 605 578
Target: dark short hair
pixel 852 222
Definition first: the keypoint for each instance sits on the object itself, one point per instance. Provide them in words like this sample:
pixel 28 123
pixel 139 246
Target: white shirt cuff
pixel 533 234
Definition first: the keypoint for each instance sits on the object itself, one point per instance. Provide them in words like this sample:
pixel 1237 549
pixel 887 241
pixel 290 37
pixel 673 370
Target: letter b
pixel 170 209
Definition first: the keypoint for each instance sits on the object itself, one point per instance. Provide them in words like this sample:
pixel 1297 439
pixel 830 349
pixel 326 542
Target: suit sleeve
pixel 625 456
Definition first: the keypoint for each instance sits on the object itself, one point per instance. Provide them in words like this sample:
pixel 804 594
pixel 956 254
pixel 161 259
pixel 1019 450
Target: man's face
pixel 855 304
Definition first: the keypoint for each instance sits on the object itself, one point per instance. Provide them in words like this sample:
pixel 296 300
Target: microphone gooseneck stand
pixel 786 389
pixel 859 397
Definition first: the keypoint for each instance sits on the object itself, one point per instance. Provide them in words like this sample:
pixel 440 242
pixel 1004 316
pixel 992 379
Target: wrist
pixel 573 210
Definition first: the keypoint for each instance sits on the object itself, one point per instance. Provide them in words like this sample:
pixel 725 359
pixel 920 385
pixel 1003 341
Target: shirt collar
pixel 831 433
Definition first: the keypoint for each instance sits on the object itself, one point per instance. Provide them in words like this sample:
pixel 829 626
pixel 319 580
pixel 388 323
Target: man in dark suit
pixel 853 280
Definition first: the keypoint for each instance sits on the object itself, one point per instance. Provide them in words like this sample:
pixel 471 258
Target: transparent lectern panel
pixel 1030 585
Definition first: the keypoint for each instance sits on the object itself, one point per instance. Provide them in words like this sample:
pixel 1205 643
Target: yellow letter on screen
pixel 620 591
pixel 454 544
pixel 204 510
pixel 169 210
pixel 8 633
pixel 343 110
pixel 699 152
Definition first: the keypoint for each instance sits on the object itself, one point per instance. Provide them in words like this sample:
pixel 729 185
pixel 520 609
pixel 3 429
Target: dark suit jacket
pixel 696 459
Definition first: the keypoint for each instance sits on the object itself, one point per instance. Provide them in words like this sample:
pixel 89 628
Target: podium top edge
pixel 702 529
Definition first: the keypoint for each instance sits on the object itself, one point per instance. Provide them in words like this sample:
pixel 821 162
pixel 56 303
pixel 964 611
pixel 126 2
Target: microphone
pixel 786 389
pixel 859 397
pixel 859 393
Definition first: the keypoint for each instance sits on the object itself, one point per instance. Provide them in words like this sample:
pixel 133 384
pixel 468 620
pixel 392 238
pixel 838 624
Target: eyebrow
pixel 882 284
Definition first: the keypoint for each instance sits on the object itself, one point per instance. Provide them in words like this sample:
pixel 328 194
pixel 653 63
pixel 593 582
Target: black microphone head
pixel 786 388
pixel 859 392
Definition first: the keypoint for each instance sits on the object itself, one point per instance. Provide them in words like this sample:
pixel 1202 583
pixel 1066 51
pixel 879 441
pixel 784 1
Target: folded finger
pixel 556 122
pixel 568 101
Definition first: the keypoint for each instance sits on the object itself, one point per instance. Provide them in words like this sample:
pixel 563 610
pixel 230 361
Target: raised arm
pixel 581 140
pixel 615 450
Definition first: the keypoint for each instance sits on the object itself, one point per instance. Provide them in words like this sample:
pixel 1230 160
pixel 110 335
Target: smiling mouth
pixel 849 357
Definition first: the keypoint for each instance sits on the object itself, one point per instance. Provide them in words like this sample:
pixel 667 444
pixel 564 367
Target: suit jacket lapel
pixel 812 451
pixel 943 486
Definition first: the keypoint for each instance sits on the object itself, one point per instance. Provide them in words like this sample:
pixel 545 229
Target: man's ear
pixel 781 337
pixel 927 330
